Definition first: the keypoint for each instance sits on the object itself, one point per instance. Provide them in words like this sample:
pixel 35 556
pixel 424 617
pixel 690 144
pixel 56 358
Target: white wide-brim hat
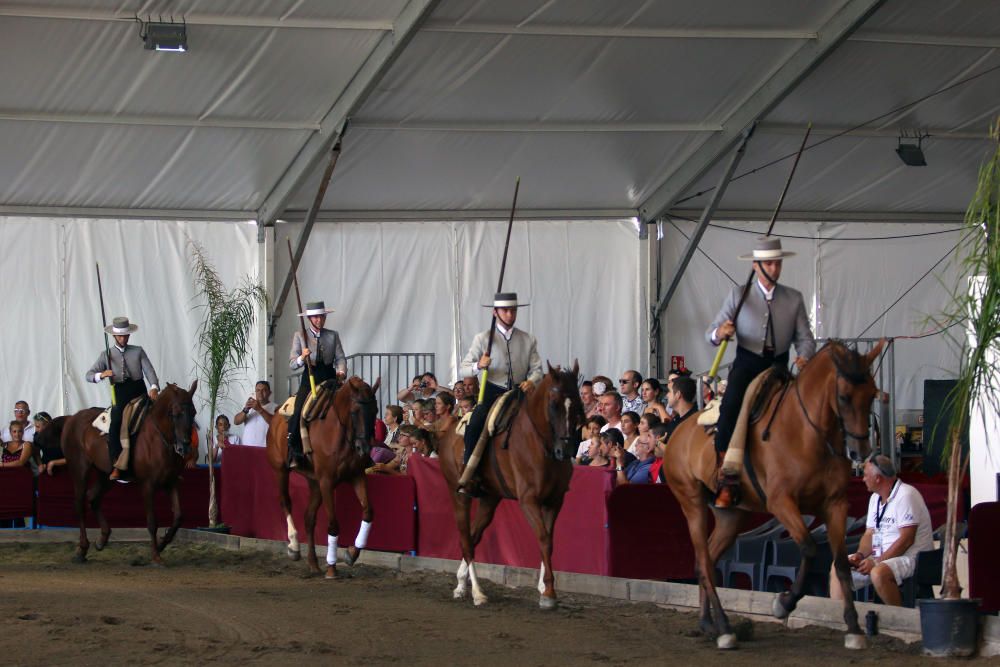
pixel 316 308
pixel 505 300
pixel 767 248
pixel 120 326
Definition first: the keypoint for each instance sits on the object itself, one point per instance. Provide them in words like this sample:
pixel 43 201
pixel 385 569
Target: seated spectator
pixel 610 406
pixel 223 438
pixel 659 434
pixel 630 469
pixel 444 406
pixel 424 443
pixel 458 390
pixel 591 434
pixel 681 400
pixel 380 455
pixel 466 405
pixel 403 448
pixel 425 413
pixel 646 423
pixel 588 398
pixel 706 389
pixel 393 418
pixel 898 527
pixel 17 452
pixel 600 456
pixel 256 415
pixel 630 429
pixel 602 384
pixel 47 446
pixel 21 414
pixel 628 387
pixel 652 395
pixel 471 387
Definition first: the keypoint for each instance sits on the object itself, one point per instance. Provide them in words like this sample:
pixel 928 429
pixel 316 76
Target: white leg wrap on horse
pixel 541 578
pixel 293 535
pixel 362 539
pixel 478 597
pixel 331 549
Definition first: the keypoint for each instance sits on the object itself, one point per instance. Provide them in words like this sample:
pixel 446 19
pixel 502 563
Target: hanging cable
pixel 714 263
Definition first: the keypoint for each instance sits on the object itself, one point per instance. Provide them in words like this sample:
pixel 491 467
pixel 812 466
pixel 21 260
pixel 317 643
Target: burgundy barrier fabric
pixel 581 536
pixel 123 505
pixel 17 489
pixel 984 554
pixel 648 534
pixel 935 495
pixel 250 504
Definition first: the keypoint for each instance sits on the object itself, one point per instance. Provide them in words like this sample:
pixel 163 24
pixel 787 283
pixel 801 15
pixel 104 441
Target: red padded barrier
pixel 17 489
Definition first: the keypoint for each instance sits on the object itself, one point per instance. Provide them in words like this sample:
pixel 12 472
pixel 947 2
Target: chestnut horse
pixel 535 469
pixel 341 440
pixel 157 453
pixel 820 420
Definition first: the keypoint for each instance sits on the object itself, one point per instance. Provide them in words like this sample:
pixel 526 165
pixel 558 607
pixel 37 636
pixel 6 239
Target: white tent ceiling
pixel 598 106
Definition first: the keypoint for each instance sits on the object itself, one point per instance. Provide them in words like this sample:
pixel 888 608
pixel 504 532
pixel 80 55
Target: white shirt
pixel 28 436
pixel 905 507
pixel 618 427
pixel 255 428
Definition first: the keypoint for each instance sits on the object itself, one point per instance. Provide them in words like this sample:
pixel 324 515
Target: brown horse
pixel 535 469
pixel 157 452
pixel 340 442
pixel 801 467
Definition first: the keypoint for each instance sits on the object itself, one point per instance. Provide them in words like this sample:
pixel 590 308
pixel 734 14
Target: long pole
pixel 503 268
pixel 746 287
pixel 302 322
pixel 104 323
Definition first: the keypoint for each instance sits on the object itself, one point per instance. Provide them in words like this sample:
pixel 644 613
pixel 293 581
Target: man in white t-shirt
pixel 256 415
pixel 610 406
pixel 21 414
pixel 897 529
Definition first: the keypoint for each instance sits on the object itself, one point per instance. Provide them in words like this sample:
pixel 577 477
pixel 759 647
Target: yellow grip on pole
pixel 114 401
pixel 718 358
pixel 312 383
pixel 482 385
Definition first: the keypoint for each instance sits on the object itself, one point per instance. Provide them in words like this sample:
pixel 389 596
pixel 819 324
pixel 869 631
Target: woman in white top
pixel 630 429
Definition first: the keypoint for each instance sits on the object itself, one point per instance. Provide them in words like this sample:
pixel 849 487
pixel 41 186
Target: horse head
pixel 174 411
pixel 564 408
pixel 363 412
pixel 853 395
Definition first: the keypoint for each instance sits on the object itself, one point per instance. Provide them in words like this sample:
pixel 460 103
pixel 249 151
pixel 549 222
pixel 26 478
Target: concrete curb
pixel 895 621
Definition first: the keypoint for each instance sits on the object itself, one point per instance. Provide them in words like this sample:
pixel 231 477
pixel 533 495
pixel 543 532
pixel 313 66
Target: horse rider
pixel 126 366
pixel 328 361
pixel 514 362
pixel 772 319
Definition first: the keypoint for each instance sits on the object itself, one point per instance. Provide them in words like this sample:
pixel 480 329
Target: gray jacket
pixel 791 325
pixel 136 362
pixel 333 351
pixel 520 353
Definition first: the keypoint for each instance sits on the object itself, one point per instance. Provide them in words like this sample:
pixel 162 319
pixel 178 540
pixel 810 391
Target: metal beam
pixel 159 121
pixel 796 68
pixel 706 217
pixel 460 215
pixel 300 248
pixel 747 215
pixel 132 213
pixel 27 11
pixel 630 32
pixel 891 132
pixel 587 127
pixel 351 98
pixel 960 41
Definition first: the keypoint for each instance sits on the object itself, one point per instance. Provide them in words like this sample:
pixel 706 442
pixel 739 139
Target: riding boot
pixel 728 494
pixel 295 455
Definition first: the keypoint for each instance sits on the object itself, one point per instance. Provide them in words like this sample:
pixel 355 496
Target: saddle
pixel 132 417
pixel 502 413
pixel 316 406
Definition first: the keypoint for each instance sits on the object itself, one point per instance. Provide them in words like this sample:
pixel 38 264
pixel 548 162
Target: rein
pixel 845 432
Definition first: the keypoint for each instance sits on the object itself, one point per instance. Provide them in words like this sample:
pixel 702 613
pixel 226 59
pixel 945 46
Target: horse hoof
pixel 459 592
pixel 855 642
pixel 778 609
pixel 353 553
pixel 294 554
pixel 331 572
pixel 547 603
pixel 79 559
pixel 479 600
pixel 726 642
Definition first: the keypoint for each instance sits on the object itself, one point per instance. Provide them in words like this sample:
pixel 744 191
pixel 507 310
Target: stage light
pixel 912 155
pixel 164 35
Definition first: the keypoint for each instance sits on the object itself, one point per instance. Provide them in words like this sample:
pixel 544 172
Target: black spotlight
pixel 912 155
pixel 164 35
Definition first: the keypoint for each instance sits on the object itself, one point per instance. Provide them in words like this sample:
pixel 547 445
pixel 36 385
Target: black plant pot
pixel 950 628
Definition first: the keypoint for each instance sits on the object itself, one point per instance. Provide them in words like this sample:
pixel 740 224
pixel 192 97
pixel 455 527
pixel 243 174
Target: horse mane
pixel 849 362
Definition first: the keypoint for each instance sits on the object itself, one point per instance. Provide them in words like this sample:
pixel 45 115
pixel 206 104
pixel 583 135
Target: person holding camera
pixel 256 415
pixel 422 387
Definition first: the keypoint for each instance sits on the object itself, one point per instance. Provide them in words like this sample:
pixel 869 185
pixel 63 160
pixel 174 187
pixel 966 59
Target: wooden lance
pixel 302 320
pixel 104 320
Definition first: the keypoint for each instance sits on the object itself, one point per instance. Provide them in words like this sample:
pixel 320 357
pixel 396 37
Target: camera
pixel 423 385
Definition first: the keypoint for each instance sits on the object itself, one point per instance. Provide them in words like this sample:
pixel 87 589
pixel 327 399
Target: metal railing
pixel 395 368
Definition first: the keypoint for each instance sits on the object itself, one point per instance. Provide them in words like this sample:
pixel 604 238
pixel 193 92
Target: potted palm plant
pixel 950 623
pixel 224 342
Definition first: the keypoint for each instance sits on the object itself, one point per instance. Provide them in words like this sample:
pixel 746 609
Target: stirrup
pixel 728 494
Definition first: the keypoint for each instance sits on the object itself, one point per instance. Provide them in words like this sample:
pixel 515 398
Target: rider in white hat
pixel 513 362
pixel 126 366
pixel 328 361
pixel 773 318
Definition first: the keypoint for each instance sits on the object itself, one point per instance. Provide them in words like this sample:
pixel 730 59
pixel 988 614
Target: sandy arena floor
pixel 211 606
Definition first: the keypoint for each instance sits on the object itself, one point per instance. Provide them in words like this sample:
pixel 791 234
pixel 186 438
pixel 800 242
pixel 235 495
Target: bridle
pixel 845 432
pixel 560 443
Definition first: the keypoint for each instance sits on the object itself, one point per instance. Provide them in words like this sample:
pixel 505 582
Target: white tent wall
pixel 419 286
pixel 847 282
pixel 147 276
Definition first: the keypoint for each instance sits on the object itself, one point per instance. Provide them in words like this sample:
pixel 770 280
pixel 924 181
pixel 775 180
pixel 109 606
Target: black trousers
pixel 478 419
pixel 746 367
pixel 124 392
pixel 321 372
